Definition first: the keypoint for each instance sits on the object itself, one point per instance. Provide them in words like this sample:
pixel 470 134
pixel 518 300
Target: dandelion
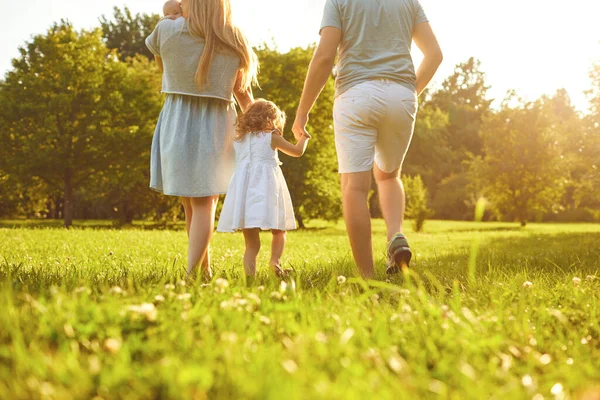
pixel 169 286
pixel 260 288
pixel 557 389
pixel 265 320
pixel 159 298
pixel 576 282
pixel 341 280
pixel 527 284
pixel 569 361
pixel 527 381
pixel 112 345
pixel 290 366
pixel 181 283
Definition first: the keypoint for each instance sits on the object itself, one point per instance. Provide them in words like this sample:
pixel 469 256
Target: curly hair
pixel 262 116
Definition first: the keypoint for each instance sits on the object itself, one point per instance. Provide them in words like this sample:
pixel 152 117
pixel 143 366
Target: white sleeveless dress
pixel 258 196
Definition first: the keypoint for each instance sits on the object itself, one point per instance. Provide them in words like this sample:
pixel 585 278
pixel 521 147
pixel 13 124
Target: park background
pixel 79 102
pixel 489 309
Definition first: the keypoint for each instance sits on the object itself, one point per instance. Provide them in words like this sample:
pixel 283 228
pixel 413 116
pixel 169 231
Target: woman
pixel 374 109
pixel 206 61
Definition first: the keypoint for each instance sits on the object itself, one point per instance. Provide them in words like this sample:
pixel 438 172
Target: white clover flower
pixel 148 310
pixel 527 284
pixel 184 296
pixel 116 290
pixel 341 280
pixel 576 281
pixel 221 284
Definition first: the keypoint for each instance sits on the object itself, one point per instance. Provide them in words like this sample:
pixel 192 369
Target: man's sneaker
pixel 398 254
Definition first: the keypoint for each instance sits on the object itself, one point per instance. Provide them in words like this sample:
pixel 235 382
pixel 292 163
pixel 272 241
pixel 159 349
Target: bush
pixel 416 201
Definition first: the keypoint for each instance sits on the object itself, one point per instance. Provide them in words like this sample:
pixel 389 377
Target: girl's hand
pixel 299 127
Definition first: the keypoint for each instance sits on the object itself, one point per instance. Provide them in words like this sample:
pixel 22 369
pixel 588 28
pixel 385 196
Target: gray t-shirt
pixel 376 40
pixel 180 53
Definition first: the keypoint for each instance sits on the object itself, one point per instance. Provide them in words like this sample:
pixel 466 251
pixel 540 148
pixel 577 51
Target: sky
pixel 532 46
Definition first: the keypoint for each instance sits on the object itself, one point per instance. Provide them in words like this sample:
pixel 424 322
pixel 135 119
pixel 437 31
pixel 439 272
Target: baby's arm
pixel 293 150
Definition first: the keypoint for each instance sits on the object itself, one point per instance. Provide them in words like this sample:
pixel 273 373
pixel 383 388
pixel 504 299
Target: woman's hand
pixel 299 127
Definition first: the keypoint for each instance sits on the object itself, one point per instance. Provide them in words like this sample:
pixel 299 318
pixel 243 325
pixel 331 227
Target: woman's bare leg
pixel 200 232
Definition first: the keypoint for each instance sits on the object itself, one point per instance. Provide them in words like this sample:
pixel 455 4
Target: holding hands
pixel 299 127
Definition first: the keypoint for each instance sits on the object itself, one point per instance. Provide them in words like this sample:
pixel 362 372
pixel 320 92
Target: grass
pixel 102 313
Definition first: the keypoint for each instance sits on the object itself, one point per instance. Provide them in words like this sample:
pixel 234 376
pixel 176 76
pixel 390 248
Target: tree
pixel 587 192
pixel 73 113
pixel 464 97
pixel 416 201
pixel 521 172
pixel 312 179
pixel 126 33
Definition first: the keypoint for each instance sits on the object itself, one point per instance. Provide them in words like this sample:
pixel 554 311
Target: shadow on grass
pixel 553 256
pixel 89 224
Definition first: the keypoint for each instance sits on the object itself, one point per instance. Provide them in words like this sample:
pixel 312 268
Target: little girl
pixel 258 197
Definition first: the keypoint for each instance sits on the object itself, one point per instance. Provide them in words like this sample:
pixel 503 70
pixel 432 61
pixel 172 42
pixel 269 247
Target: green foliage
pixel 522 172
pixel 313 179
pixel 80 120
pixel 416 201
pixel 464 97
pixel 126 33
pixel 72 327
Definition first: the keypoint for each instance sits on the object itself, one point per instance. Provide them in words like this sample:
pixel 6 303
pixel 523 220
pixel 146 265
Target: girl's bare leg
pixel 252 238
pixel 279 239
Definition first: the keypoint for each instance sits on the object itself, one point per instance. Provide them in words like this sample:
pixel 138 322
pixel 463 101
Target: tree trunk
pixel 68 205
pixel 300 222
pixel 125 214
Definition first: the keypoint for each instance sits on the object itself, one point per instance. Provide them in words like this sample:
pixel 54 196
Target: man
pixel 374 109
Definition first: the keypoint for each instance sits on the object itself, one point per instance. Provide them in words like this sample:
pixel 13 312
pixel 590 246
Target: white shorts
pixel 374 122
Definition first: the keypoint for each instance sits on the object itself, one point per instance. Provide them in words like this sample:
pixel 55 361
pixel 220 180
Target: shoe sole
pixel 402 259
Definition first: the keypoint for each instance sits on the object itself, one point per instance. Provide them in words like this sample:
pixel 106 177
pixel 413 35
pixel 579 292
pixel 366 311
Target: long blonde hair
pixel 211 20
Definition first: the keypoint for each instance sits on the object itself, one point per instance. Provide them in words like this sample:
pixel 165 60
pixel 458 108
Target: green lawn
pixel 98 312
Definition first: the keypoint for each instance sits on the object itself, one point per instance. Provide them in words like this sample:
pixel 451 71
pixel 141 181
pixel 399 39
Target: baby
pixel 172 9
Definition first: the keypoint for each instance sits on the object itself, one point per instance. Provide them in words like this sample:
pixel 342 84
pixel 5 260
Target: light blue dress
pixel 192 149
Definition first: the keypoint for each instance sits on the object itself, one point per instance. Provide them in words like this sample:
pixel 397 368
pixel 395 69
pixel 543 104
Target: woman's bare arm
pixel 159 62
pixel 245 98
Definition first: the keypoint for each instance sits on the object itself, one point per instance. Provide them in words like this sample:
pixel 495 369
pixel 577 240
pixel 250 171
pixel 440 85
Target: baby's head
pixel 262 116
pixel 172 8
